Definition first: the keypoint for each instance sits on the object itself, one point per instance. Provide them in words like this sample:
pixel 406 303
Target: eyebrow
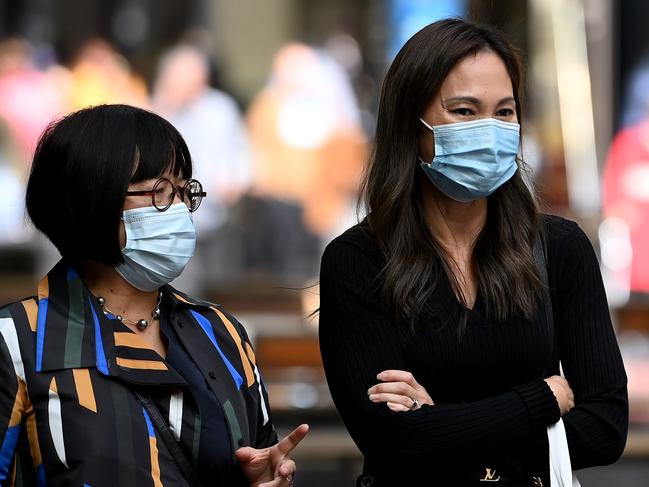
pixel 475 101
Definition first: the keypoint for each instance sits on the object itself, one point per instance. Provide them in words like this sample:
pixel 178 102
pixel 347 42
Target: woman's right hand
pixel 399 390
pixel 271 467
pixel 562 392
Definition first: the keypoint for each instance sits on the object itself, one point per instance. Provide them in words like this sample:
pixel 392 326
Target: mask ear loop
pixel 426 124
pixel 421 159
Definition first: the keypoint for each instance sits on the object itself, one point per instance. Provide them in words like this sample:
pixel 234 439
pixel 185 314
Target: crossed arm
pixel 375 393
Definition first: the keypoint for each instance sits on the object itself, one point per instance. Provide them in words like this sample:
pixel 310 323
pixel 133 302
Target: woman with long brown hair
pixel 440 338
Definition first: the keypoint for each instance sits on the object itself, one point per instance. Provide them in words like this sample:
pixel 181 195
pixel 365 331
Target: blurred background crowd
pixel 277 101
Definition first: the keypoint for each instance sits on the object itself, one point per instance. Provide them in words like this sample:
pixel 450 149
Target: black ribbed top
pixel 492 405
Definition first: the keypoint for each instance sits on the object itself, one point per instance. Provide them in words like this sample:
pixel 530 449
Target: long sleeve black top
pixel 492 406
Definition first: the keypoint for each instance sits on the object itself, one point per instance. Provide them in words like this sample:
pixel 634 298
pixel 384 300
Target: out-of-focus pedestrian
pixel 213 127
pixel 99 74
pixel 29 98
pixel 626 198
pixel 309 146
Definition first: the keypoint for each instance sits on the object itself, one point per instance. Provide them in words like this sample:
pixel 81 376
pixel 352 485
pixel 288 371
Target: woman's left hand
pixel 271 467
pixel 400 390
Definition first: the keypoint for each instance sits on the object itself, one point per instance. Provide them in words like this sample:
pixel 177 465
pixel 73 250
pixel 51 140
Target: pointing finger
pixel 290 441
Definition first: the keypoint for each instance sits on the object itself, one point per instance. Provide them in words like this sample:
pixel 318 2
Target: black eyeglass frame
pixel 183 191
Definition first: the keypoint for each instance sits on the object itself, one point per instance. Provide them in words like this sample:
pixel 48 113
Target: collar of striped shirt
pixel 72 332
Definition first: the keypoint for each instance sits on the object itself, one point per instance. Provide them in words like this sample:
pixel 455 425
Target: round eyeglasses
pixel 164 191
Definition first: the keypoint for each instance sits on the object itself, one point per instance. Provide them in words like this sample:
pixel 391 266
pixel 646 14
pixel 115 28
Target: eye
pixel 505 112
pixel 464 112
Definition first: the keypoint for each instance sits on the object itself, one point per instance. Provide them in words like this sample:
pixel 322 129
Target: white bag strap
pixel 561 474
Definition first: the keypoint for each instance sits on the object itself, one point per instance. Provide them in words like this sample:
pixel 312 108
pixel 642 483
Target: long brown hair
pixel 503 256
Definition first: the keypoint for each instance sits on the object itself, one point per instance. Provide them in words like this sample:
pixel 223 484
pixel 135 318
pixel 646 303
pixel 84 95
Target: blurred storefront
pixel 300 81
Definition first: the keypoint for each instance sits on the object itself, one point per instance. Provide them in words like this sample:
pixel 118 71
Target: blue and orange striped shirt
pixel 68 414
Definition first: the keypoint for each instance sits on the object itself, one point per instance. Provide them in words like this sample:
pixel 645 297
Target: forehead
pixel 148 183
pixel 479 75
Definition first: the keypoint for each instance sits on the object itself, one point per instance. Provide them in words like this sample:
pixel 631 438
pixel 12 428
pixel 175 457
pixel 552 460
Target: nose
pixel 178 195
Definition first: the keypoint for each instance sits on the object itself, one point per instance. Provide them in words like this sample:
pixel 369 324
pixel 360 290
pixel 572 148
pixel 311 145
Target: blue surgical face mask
pixel 473 159
pixel 159 245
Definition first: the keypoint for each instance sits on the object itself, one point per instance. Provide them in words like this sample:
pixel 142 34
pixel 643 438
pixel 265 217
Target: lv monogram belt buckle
pixel 490 475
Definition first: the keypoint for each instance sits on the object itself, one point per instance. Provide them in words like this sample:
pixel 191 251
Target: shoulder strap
pixel 540 257
pixel 184 465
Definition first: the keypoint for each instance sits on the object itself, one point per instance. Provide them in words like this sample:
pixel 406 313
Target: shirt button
pixel 212 374
pixel 179 323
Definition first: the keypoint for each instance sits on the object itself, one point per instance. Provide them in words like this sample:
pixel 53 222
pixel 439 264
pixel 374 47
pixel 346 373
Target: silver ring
pixel 415 403
pixel 289 479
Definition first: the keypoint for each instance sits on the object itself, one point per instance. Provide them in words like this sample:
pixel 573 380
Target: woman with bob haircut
pixel 440 338
pixel 109 376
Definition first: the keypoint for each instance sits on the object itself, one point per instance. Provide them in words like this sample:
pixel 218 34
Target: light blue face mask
pixel 159 245
pixel 473 159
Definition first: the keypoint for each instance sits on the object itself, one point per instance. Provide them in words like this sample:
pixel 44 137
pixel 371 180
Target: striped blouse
pixel 68 415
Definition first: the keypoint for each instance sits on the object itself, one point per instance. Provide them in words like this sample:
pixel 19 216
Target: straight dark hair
pixel 81 170
pixel 503 258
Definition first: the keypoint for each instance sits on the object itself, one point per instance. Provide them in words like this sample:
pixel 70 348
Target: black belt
pixel 502 477
pixel 482 477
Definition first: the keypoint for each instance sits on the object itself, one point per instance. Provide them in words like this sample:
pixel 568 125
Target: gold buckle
pixel 490 476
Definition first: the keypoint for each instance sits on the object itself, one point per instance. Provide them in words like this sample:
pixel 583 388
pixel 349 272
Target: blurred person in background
pixel 211 124
pixel 307 138
pixel 29 97
pixel 624 236
pixel 446 313
pixel 13 230
pixel 99 74
pixel 626 205
pixel 109 376
pixel 308 150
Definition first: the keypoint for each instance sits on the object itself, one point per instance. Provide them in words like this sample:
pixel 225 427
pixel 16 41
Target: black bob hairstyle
pixel 83 165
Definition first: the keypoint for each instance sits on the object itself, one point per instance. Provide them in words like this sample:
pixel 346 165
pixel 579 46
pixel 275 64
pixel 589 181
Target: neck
pixel 453 224
pixel 121 297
